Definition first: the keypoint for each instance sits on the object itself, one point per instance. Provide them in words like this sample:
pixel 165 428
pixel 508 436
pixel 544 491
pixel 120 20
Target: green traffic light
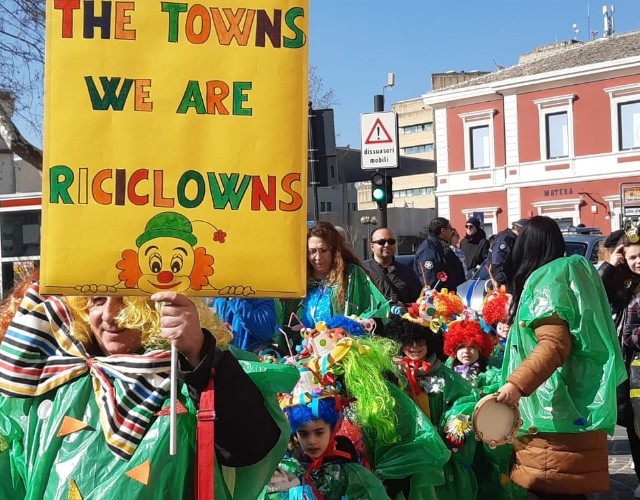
pixel 378 194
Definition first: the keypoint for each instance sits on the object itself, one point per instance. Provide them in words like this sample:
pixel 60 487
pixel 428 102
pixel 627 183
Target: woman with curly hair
pixel 336 282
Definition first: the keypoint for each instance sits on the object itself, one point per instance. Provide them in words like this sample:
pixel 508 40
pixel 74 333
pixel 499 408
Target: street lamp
pixel 378 100
pixel 368 221
pixel 391 82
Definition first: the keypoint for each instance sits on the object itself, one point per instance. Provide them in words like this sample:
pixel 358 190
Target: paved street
pixel 623 479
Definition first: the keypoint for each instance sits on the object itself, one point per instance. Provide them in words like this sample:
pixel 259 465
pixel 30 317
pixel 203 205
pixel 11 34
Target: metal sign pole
pixel 312 164
pixel 378 105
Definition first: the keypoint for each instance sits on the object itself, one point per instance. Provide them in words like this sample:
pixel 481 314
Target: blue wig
pixel 301 415
pixel 350 325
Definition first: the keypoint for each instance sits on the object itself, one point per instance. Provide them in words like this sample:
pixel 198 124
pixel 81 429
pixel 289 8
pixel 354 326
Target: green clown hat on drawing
pixel 168 224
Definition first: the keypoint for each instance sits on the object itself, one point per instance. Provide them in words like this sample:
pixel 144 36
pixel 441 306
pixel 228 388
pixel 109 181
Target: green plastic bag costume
pixel 420 453
pixel 492 466
pixel 70 427
pixel 271 379
pixel 580 396
pixel 335 481
pixel 486 382
pixel 43 465
pixel 450 395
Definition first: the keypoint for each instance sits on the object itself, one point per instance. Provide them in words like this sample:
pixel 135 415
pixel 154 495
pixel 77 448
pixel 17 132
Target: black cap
pixel 520 223
pixel 474 221
pixel 613 239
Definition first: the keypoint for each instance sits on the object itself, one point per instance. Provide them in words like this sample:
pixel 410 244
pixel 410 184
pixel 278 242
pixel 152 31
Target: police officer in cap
pixel 434 255
pixel 502 249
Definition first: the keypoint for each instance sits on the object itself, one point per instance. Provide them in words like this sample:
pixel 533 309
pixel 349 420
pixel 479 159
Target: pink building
pixel 555 135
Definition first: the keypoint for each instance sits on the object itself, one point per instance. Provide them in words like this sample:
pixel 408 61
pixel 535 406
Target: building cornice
pixel 528 83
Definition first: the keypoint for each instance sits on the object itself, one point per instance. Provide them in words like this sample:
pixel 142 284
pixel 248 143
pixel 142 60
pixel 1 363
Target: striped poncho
pixel 76 426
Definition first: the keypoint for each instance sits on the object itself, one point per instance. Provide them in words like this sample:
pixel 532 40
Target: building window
pixel 420 127
pixel 555 116
pixel 478 139
pixel 20 233
pixel 328 206
pixel 557 139
pixel 406 193
pixel 322 206
pixel 422 148
pixel 565 210
pixel 625 116
pixel 629 125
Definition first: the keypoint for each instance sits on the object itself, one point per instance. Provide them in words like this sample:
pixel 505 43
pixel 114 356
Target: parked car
pixel 586 245
pixel 407 260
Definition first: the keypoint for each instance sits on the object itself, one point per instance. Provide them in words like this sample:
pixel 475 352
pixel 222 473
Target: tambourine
pixel 495 423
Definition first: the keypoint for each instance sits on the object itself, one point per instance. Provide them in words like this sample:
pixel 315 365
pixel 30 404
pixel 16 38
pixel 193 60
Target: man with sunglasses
pixel 396 281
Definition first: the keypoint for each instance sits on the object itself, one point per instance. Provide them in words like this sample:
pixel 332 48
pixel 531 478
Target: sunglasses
pixel 419 343
pixel 391 241
pixel 469 226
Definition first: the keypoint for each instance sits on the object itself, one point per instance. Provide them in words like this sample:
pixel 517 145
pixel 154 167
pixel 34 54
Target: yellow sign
pixel 175 147
pixel 631 194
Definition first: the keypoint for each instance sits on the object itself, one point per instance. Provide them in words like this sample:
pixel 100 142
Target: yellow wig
pixel 142 314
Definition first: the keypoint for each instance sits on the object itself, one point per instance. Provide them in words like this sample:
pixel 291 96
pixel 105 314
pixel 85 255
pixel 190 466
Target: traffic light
pixel 381 189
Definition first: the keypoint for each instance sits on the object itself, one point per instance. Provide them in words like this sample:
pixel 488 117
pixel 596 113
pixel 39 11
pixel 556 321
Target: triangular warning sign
pixel 71 425
pixel 141 472
pixel 378 134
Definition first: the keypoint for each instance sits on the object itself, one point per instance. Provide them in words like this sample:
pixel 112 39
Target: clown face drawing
pixel 167 258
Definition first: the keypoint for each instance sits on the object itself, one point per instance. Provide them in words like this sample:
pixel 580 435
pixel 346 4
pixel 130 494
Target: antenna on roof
pixel 608 21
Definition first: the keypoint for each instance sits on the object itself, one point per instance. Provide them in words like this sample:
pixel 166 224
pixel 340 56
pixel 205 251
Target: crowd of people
pixel 368 387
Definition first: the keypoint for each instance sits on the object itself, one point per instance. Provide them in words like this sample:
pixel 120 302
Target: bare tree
pixel 22 24
pixel 22 29
pixel 319 95
pixel 352 235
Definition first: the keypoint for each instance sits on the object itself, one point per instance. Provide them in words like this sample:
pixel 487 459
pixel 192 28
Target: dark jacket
pixel 397 282
pixel 455 270
pixel 430 261
pixel 245 432
pixel 475 248
pixel 434 256
pixel 500 255
pixel 622 286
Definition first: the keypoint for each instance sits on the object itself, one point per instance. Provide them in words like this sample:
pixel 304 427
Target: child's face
pixel 416 350
pixel 502 329
pixel 314 438
pixel 632 256
pixel 467 354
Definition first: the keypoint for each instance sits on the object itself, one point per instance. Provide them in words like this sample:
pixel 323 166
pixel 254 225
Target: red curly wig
pixel 467 332
pixel 496 307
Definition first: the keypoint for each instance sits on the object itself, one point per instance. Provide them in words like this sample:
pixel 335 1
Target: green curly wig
pixel 364 380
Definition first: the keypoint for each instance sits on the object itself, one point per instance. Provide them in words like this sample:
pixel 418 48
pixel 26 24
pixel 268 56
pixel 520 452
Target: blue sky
pixel 355 43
